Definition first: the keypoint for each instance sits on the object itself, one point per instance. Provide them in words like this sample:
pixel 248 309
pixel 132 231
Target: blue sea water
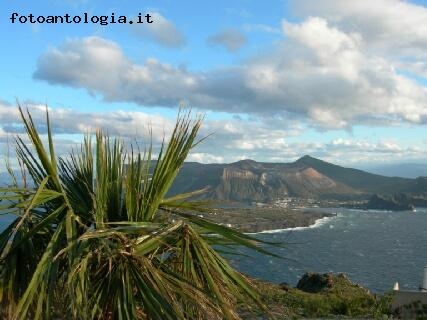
pixel 374 248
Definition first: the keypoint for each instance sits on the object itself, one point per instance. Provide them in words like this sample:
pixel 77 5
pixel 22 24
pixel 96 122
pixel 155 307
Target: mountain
pixel 308 177
pixel 358 179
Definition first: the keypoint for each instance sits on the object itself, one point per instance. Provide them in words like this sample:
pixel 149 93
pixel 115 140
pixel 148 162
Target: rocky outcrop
pixel 394 203
pixel 315 282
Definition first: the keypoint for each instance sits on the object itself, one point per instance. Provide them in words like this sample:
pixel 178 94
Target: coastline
pixel 319 222
pixel 271 219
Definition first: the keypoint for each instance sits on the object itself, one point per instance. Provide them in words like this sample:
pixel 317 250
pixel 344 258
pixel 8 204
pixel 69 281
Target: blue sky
pixel 345 81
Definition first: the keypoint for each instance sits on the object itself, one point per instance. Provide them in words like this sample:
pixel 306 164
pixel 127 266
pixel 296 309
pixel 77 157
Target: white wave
pixel 319 222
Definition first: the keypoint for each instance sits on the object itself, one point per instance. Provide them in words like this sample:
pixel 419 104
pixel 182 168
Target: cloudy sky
pixel 344 81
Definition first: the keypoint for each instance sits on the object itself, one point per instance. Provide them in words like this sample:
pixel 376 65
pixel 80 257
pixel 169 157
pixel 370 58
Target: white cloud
pixel 356 151
pixel 226 141
pixel 336 51
pixel 344 63
pixel 161 31
pixel 230 39
pixel 93 63
pixel 101 67
pixel 127 124
pixel 389 24
pixel 203 157
pixel 321 73
pixel 231 140
pixel 415 67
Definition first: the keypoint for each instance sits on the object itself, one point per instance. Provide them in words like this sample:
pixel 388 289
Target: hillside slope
pixel 308 177
pixel 358 179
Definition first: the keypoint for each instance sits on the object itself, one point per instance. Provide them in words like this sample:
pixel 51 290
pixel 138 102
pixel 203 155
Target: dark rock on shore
pixel 315 282
pixel 394 203
pixel 418 200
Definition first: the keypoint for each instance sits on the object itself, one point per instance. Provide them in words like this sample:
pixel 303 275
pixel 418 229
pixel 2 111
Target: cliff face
pixel 265 183
pixel 246 185
pixel 248 180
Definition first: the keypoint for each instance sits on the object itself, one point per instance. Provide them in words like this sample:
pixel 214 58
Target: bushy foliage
pixel 88 242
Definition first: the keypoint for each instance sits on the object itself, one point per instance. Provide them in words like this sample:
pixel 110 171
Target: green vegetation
pixel 339 298
pixel 88 241
pixel 417 310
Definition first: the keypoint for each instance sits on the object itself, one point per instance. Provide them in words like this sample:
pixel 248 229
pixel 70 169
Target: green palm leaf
pixel 94 239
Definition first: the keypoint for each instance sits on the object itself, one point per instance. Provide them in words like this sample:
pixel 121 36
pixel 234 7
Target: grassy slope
pixel 344 300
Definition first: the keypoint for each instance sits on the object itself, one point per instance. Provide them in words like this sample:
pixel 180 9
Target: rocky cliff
pixel 308 177
pixel 248 181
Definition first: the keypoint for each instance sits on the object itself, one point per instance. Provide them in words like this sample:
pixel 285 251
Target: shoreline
pixel 258 220
pixel 319 222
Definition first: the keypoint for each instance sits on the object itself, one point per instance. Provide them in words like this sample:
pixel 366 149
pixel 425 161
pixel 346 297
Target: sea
pixel 374 248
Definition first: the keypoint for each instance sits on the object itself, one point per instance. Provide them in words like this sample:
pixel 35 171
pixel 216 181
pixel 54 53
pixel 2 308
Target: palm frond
pixel 169 162
pixel 91 239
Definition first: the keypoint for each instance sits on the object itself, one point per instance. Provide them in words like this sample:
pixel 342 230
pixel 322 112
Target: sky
pixel 343 81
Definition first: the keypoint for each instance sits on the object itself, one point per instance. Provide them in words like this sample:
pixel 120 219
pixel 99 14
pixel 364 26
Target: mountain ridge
pixel 307 177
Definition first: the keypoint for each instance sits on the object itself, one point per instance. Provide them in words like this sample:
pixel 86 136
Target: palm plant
pixel 96 237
